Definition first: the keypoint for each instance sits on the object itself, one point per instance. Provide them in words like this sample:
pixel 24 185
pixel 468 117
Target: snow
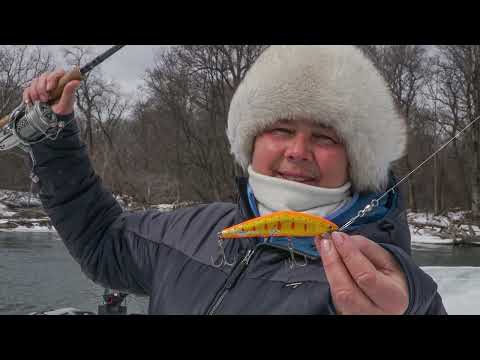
pixel 21 198
pixel 63 311
pixel 459 288
pixel 24 201
pixel 430 235
pixel 422 236
pixel 164 207
pixel 4 212
pixel 33 229
pixel 423 218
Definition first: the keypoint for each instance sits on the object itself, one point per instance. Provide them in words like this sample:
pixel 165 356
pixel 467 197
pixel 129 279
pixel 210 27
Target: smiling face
pixel 301 151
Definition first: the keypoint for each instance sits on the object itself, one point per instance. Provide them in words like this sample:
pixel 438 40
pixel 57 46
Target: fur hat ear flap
pixel 335 85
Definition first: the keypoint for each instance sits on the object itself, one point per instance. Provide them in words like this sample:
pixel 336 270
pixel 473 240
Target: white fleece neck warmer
pixel 275 194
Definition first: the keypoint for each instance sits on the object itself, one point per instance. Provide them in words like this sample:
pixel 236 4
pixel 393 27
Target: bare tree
pixel 404 68
pixel 190 88
pixel 101 108
pixel 444 92
pixel 18 66
pixel 463 65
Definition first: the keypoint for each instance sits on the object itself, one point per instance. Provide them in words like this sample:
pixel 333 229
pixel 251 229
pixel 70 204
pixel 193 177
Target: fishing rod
pixel 31 123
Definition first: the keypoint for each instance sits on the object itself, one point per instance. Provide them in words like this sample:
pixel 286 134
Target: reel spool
pixel 30 124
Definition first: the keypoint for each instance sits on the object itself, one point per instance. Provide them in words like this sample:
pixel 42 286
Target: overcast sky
pixel 126 67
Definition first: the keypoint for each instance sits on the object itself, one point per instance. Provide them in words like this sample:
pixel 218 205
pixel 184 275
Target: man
pixel 316 128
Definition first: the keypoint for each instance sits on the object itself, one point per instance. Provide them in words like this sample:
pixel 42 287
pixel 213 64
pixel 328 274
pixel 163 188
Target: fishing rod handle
pixel 4 120
pixel 56 93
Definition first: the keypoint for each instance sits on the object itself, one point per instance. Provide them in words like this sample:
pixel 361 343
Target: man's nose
pixel 299 148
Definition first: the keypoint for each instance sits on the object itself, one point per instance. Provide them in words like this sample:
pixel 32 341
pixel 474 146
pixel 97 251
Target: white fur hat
pixel 335 85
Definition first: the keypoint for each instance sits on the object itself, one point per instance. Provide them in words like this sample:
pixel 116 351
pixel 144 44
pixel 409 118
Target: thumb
pixel 64 106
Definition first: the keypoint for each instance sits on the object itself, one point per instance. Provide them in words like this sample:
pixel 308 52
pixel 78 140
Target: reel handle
pixel 56 93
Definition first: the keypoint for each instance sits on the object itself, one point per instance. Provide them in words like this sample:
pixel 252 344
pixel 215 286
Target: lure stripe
pixel 271 225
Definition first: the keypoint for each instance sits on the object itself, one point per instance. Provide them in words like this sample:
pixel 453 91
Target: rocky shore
pixel 23 212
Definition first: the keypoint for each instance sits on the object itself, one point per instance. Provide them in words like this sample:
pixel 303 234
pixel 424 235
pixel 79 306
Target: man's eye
pixel 324 140
pixel 281 131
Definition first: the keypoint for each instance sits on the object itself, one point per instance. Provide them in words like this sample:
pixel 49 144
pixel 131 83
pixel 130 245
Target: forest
pixel 169 144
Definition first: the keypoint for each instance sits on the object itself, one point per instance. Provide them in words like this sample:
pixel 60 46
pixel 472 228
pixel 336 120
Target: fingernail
pixel 327 235
pixel 326 246
pixel 338 238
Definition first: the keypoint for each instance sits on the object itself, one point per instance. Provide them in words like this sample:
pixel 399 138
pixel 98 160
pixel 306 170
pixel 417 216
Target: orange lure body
pixel 280 224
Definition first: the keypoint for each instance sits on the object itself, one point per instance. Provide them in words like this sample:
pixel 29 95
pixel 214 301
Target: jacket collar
pixel 246 212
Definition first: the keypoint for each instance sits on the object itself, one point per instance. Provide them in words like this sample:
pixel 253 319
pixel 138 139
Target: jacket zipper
pixel 234 275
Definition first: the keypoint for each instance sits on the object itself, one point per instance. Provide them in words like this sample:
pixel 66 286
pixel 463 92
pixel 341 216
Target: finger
pixel 382 290
pixel 379 257
pixel 53 77
pixel 33 91
pixel 386 263
pixel 362 271
pixel 346 295
pixel 26 96
pixel 66 103
pixel 41 87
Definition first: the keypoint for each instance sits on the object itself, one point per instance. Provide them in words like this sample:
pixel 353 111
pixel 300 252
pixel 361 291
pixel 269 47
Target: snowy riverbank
pixel 22 212
pixel 449 229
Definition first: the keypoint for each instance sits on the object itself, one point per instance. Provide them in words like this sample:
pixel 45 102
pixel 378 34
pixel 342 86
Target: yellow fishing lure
pixel 280 224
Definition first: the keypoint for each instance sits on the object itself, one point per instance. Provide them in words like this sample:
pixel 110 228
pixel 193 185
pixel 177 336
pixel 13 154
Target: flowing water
pixel 37 274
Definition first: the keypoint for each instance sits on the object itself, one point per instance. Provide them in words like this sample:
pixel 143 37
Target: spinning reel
pixel 29 124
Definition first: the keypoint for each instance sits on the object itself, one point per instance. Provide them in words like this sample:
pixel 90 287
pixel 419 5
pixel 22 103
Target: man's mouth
pixel 296 177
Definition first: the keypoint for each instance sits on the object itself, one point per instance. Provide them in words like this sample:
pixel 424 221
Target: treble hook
pixel 293 261
pixel 223 257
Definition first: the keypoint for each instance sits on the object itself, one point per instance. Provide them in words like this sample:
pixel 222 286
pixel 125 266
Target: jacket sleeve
pixel 114 248
pixel 393 234
pixel 424 298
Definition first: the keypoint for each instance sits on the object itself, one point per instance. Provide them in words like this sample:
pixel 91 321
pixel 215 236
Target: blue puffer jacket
pixel 167 256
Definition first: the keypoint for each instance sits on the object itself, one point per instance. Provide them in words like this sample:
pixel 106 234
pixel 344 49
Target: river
pixel 37 274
